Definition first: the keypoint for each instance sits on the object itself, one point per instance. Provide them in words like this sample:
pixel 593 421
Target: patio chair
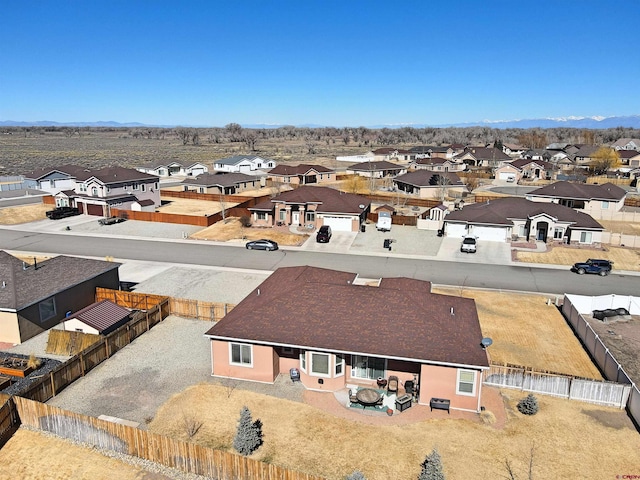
pixel 352 397
pixel 392 386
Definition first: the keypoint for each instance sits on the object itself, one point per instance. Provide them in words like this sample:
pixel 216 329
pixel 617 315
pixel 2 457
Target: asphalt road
pixel 502 277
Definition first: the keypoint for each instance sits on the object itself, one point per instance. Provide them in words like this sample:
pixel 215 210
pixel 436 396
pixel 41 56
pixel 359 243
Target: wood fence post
pixel 53 385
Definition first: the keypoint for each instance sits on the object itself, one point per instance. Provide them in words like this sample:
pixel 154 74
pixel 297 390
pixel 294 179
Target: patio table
pixel 368 397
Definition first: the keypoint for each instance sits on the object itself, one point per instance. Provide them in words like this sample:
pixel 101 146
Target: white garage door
pixel 492 234
pixel 457 230
pixel 197 171
pixel 506 175
pixel 338 224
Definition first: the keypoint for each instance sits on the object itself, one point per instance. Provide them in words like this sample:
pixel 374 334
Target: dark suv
pixel 324 234
pixel 601 267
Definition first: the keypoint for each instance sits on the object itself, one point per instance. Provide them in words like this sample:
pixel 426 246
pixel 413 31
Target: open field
pixel 23 213
pixel 528 332
pixel 185 206
pixel 232 229
pixel 623 258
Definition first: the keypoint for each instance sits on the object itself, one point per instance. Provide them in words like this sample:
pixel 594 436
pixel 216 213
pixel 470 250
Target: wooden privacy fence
pixel 591 391
pixel 9 419
pixel 63 342
pixel 603 358
pixel 182 307
pixel 396 219
pixel 184 456
pixel 203 221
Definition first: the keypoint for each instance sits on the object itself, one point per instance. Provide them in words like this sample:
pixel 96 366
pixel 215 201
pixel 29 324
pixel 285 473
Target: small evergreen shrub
pixel 248 435
pixel 356 475
pixel 432 467
pixel 528 405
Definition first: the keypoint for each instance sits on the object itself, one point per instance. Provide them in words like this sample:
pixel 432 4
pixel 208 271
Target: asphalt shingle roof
pixel 329 200
pixel 102 315
pixel 375 166
pixel 219 179
pixel 580 191
pixel 398 319
pixel 301 169
pixel 427 178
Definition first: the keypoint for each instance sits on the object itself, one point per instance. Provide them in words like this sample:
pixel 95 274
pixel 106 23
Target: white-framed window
pixel 283 215
pixel 47 309
pixel 94 191
pixel 241 354
pixel 262 216
pixel 83 188
pixel 466 382
pixel 557 233
pixel 144 187
pixel 108 189
pixel 605 204
pixel 367 367
pixel 320 364
pixel 136 186
pixel 522 231
pixel 585 237
pixel 303 361
pixel 310 216
pixel 339 366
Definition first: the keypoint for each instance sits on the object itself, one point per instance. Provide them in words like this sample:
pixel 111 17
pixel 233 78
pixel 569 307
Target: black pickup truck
pixel 62 212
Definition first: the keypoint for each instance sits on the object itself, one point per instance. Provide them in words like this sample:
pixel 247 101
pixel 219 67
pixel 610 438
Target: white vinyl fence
pixel 573 308
pixel 564 386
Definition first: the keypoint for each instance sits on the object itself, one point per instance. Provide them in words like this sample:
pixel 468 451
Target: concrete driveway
pixel 496 253
pixel 340 243
pixel 406 241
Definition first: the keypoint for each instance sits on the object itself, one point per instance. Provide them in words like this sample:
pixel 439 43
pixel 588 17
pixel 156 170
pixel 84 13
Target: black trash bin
pixel 387 243
pixel 363 228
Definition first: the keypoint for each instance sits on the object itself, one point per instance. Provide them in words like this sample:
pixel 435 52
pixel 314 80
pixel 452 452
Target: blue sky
pixel 340 63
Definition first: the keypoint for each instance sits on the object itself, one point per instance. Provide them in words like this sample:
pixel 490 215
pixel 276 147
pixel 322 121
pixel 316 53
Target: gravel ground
pixel 20 384
pixel 138 228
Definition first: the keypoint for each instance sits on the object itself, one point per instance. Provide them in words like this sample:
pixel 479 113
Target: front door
pixel 295 218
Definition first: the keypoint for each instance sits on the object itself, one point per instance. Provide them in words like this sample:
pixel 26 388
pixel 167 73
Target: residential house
pixel 302 174
pixel 34 298
pixel 438 164
pixel 515 218
pixel 376 169
pixel 432 151
pixel 537 154
pixel 582 157
pixel 592 199
pixel 634 162
pixel 221 183
pixel 338 329
pixel 513 150
pixel 313 207
pixel 97 191
pixel 168 169
pixel 100 318
pixel 249 164
pixel 487 157
pixel 558 146
pixel 55 179
pixel 531 169
pixel 386 154
pixel 626 144
pixel 429 184
pixel 628 156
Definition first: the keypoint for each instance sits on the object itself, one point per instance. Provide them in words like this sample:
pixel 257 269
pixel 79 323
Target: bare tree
pixel 234 132
pixel 250 138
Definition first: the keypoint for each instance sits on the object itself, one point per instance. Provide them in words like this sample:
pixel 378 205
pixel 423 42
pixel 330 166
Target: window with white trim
pixel 261 216
pixel 303 361
pixel 557 233
pixel 585 237
pixel 94 191
pixel 283 215
pixel 339 367
pixel 367 367
pixel 605 204
pixel 136 186
pixel 241 354
pixel 320 364
pixel 466 382
pixel 83 188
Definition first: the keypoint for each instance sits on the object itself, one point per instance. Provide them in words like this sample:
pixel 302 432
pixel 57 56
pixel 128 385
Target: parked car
pixel 593 265
pixel 62 212
pixel 469 244
pixel 111 220
pixel 262 244
pixel 324 234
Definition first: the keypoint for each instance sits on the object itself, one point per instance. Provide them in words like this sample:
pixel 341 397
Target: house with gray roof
pixel 222 183
pixel 249 164
pixel 596 199
pixel 337 329
pixel 313 207
pixel 626 144
pixel 37 296
pixel 376 169
pixel 515 218
pixel 171 168
pixel 301 174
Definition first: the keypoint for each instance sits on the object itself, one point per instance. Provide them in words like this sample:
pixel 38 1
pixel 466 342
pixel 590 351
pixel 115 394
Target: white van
pixel 384 222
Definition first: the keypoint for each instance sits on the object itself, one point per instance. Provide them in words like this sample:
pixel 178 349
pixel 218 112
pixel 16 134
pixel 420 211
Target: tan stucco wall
pixel 75 325
pixel 9 331
pixel 261 371
pixel 441 382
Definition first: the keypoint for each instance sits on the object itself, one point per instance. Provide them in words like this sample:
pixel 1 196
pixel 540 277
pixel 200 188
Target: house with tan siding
pixel 302 174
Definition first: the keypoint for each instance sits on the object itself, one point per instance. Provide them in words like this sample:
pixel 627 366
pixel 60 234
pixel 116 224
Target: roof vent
pixel 4 284
pixel 258 292
pixel 452 312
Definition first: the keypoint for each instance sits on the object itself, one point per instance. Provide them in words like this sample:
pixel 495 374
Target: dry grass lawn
pixel 572 439
pixel 623 258
pixel 528 332
pixel 232 229
pixel 31 455
pixel 23 213
pixel 185 206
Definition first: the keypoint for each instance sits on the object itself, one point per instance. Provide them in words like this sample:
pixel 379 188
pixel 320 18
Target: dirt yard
pixel 232 229
pixel 23 213
pixel 528 332
pixel 184 206
pixel 624 228
pixel 623 258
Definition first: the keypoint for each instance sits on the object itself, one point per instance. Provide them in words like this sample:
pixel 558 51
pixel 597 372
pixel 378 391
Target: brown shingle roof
pixel 374 166
pixel 219 179
pixel 322 309
pixel 103 316
pixel 581 191
pixel 24 287
pixel 301 169
pixel 522 162
pixel 503 211
pixel 327 199
pixel 427 178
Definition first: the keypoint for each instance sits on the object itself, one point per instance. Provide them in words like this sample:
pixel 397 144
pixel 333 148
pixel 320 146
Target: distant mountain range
pixel 630 121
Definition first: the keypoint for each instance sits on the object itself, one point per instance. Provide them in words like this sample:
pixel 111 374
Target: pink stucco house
pixel 339 329
pixel 302 174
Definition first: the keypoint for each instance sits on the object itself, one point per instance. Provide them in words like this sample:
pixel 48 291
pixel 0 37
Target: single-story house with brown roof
pixel 36 297
pixel 525 168
pixel 302 174
pixel 376 169
pixel 438 164
pixel 390 153
pixel 592 199
pixel 100 318
pixel 429 184
pixel 313 207
pixel 514 218
pixel 483 157
pixel 221 183
pixel 167 169
pixel 339 329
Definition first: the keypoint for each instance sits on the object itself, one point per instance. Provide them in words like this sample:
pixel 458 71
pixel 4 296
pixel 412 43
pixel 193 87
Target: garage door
pixel 492 234
pixel 338 224
pixel 457 230
pixel 94 209
pixel 506 175
pixel 197 171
